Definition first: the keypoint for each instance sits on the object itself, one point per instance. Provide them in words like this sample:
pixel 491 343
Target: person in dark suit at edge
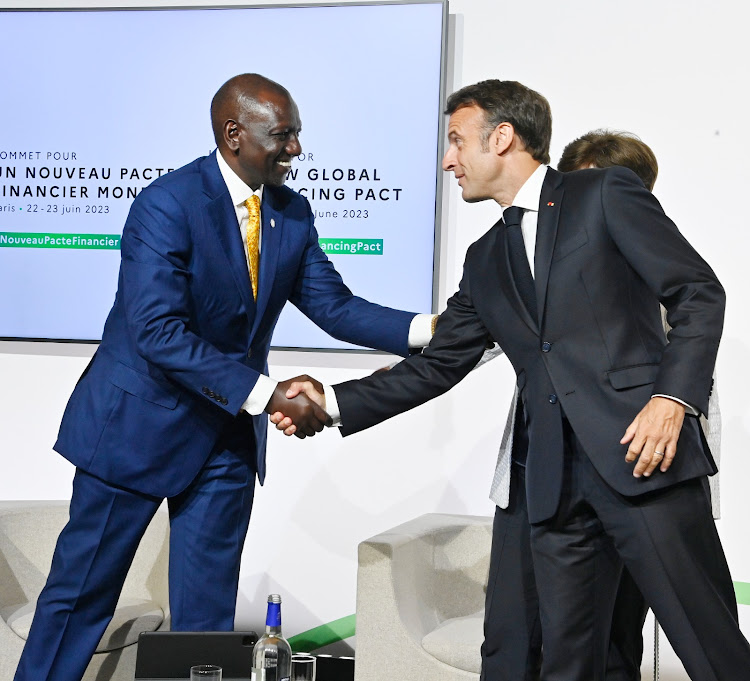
pixel 512 647
pixel 172 404
pixel 569 283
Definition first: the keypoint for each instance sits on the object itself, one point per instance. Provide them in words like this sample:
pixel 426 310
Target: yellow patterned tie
pixel 253 239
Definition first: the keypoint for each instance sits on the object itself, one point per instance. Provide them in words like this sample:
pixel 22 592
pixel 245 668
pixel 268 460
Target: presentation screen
pixel 102 102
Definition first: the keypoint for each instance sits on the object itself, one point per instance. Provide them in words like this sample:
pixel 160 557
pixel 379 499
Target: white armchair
pixel 420 599
pixel 28 532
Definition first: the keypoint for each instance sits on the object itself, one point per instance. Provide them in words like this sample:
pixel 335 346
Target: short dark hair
pixel 508 101
pixel 606 148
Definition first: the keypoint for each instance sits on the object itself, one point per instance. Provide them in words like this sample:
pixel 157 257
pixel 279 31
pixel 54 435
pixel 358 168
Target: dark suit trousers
pixel 208 523
pixel 626 637
pixel 512 647
pixel 668 541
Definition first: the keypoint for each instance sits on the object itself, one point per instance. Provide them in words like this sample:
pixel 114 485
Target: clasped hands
pixel 297 407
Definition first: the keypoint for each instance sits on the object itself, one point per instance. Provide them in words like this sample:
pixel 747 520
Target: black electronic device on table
pixel 164 655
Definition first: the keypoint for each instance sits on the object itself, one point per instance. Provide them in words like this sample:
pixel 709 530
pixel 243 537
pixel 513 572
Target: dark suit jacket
pixel 185 342
pixel 606 255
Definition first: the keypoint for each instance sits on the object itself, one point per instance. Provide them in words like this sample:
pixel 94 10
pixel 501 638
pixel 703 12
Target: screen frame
pixel 437 239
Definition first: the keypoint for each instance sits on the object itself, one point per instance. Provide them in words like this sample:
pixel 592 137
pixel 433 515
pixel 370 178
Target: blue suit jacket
pixel 185 342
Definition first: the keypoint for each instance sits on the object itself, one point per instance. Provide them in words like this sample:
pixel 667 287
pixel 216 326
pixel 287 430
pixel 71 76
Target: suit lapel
pixel 272 219
pixel 546 234
pixel 224 225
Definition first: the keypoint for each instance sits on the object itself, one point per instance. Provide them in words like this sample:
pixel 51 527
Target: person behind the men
pixel 569 283
pixel 607 148
pixel 172 404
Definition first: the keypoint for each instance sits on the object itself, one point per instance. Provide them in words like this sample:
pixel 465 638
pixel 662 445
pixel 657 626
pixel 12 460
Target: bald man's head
pixel 256 126
pixel 245 92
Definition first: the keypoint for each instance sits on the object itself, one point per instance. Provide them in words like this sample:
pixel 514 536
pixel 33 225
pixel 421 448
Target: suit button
pixel 224 400
pixel 249 353
pixel 206 391
pixel 553 399
pixel 546 347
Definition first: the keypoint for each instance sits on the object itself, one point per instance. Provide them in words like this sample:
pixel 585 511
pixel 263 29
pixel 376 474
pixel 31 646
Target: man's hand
pixel 301 415
pixel 653 435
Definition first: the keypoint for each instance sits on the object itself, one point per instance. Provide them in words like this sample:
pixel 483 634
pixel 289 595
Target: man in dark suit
pixel 512 647
pixel 172 403
pixel 569 284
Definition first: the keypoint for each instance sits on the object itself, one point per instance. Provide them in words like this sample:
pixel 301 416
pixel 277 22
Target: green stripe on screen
pixel 742 591
pixel 324 635
pixel 344 628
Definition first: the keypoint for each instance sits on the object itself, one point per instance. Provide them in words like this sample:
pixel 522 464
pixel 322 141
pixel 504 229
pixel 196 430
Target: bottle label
pixel 273 616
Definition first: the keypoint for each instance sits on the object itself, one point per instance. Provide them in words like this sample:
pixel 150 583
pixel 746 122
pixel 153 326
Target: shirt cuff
pixel 332 405
pixel 257 400
pixel 689 408
pixel 420 330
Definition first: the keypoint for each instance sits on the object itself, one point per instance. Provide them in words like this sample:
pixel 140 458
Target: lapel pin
pixel 550 203
pixel 273 222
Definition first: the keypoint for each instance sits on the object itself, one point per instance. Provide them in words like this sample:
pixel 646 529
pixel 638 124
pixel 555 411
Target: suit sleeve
pixel 458 343
pixel 683 282
pixel 155 285
pixel 320 293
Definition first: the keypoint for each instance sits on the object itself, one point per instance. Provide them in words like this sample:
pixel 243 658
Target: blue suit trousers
pixel 208 524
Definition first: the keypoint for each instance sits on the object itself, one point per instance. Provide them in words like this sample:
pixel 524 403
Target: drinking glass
pixel 205 672
pixel 303 667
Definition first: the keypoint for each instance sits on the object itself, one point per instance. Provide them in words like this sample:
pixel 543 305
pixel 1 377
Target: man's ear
pixel 232 135
pixel 501 138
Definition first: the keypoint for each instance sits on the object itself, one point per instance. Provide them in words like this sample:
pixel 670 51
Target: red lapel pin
pixel 550 203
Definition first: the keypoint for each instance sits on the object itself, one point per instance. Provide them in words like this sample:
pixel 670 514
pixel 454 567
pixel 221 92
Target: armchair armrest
pixel 411 579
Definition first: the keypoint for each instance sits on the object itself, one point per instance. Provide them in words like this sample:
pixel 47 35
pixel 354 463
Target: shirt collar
pixel 531 191
pixel 239 192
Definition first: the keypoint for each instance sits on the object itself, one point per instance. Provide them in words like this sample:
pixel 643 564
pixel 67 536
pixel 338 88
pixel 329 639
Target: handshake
pixel 297 407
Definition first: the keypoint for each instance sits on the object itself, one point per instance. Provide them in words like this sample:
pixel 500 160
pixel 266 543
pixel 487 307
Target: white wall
pixel 673 72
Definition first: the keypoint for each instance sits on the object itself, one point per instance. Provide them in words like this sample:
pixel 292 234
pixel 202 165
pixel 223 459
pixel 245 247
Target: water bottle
pixel 272 656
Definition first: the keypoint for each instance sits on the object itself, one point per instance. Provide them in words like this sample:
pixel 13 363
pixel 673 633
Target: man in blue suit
pixel 172 404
